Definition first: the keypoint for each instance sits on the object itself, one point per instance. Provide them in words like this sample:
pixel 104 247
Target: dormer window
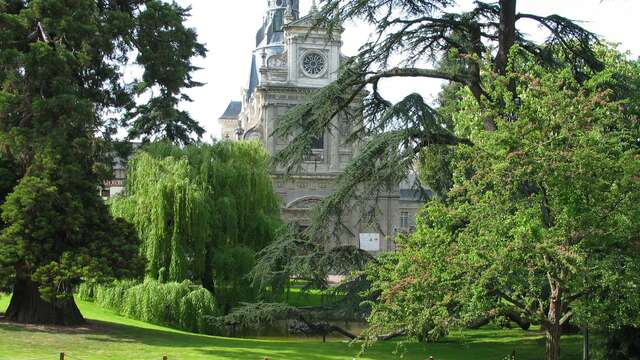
pixel 277 20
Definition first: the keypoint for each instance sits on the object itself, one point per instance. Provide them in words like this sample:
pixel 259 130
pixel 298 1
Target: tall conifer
pixel 63 95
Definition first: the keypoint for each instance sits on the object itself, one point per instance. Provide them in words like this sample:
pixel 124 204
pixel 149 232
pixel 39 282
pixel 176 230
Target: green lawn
pixel 297 297
pixel 112 337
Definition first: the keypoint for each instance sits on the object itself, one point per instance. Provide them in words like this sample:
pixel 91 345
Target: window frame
pixel 404 220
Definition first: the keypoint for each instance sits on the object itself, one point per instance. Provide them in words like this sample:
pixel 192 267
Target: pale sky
pixel 228 29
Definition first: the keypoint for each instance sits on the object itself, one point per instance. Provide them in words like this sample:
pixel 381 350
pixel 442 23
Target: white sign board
pixel 370 241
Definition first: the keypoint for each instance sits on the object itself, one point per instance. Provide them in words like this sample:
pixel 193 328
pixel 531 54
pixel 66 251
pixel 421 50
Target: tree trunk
pixel 507 34
pixel 553 333
pixel 28 307
pixel 207 277
pixel 585 345
pixel 553 328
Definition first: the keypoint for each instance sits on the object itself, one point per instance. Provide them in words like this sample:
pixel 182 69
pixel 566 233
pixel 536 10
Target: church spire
pixel 314 8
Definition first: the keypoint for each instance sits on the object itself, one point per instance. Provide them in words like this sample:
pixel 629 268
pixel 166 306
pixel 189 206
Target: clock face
pixel 280 3
pixel 314 64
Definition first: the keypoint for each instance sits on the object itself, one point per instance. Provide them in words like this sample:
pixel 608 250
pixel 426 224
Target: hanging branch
pixel 425 39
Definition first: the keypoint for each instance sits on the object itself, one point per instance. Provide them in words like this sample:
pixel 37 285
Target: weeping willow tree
pixel 193 206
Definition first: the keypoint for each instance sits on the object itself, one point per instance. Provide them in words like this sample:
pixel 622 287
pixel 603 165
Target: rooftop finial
pixel 314 8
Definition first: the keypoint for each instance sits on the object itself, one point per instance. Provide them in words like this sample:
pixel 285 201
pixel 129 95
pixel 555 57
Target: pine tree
pixel 62 89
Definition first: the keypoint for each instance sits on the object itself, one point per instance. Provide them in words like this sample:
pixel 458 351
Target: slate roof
pixel 415 194
pixel 268 37
pixel 259 36
pixel 254 78
pixel 233 110
pixel 411 190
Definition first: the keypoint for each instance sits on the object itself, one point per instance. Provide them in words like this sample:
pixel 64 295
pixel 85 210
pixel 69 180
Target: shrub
pixel 85 292
pixel 195 308
pixel 180 305
pixel 111 296
pixel 621 344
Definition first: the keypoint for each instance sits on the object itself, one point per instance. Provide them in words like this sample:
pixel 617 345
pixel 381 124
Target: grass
pixel 297 297
pixel 109 336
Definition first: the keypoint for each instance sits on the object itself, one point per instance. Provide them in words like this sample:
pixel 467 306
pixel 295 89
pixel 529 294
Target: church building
pixel 288 64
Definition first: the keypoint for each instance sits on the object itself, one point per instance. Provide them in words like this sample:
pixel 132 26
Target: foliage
pixel 32 212
pixel 259 314
pixel 295 254
pixel 434 162
pixel 300 320
pixel 506 220
pixel 281 260
pixel 208 209
pixel 62 90
pixel 8 179
pixel 231 266
pixel 410 37
pixel 196 309
pixel 165 49
pixel 180 305
pixel 542 219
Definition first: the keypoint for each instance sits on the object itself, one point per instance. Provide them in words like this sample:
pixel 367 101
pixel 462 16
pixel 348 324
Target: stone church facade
pixel 290 62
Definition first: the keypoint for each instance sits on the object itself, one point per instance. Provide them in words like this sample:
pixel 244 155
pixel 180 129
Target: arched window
pixel 317 143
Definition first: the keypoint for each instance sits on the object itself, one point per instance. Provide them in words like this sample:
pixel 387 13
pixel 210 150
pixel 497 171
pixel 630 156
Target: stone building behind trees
pixel 290 62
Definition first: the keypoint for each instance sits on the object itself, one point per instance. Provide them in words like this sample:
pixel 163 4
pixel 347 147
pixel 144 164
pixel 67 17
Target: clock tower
pixel 291 61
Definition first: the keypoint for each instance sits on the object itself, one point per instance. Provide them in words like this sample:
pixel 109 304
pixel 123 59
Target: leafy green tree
pixel 427 39
pixel 208 209
pixel 44 273
pixel 62 94
pixel 430 40
pixel 542 220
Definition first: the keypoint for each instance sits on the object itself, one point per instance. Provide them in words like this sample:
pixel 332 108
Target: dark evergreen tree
pixel 297 254
pixel 62 91
pixel 165 50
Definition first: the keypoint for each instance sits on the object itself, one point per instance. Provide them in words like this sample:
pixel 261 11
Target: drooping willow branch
pixel 189 204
